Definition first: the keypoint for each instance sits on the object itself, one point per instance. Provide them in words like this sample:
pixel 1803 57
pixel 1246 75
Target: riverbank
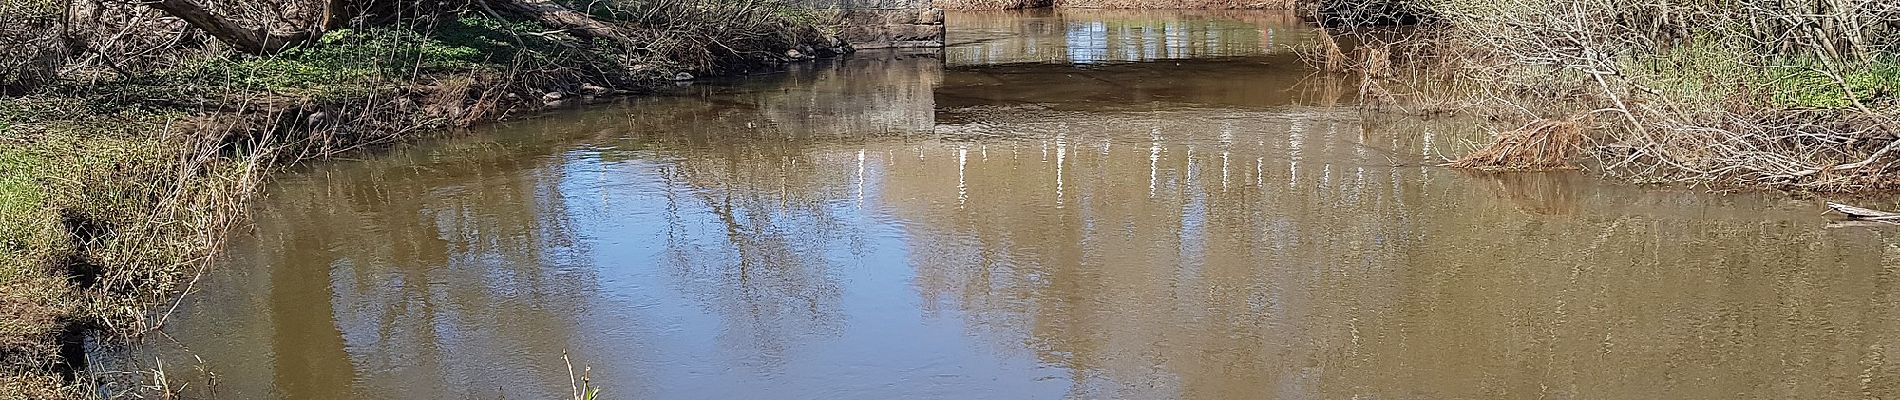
pixel 1746 96
pixel 124 163
pixel 1022 218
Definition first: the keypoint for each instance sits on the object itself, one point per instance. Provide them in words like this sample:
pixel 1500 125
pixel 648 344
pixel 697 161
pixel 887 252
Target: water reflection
pixel 888 227
pixel 1367 280
pixel 1083 36
pixel 375 274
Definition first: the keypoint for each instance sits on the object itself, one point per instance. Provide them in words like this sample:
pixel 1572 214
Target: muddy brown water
pixel 1138 205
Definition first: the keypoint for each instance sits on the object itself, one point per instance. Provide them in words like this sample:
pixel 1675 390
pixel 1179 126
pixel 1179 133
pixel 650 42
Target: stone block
pixel 871 24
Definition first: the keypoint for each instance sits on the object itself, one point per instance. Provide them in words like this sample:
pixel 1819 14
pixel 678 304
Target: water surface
pixel 1101 204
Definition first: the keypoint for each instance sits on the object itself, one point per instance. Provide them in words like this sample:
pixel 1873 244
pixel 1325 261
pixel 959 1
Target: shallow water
pixel 1061 205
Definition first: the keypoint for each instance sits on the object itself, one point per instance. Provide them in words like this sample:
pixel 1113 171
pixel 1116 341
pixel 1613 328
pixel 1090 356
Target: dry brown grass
pixel 1542 145
pixel 29 385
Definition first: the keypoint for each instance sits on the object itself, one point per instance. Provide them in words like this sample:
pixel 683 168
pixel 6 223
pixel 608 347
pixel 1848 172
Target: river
pixel 1077 204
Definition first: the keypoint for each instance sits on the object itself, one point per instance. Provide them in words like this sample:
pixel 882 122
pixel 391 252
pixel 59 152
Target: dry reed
pixel 1542 145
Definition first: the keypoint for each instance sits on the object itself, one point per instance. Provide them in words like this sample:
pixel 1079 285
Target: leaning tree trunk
pixel 256 40
pixel 249 40
pixel 559 17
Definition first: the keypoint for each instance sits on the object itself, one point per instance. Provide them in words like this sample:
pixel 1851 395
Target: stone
pixel 796 55
pixel 915 33
pixel 876 24
pixel 553 96
pixel 932 16
pixel 683 76
pixel 592 90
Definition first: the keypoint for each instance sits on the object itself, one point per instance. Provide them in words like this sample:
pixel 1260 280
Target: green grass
pixel 1805 87
pixel 65 157
pixel 1716 76
pixel 353 63
pixel 28 231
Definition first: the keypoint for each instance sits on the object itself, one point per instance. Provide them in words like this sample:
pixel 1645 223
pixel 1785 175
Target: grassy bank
pixel 1793 95
pixel 130 142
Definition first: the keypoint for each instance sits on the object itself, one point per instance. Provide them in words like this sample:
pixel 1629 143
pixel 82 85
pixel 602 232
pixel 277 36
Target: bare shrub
pixel 30 38
pixel 1795 94
pixel 700 34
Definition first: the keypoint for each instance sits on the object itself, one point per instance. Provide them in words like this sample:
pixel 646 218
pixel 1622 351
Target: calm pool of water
pixel 1086 204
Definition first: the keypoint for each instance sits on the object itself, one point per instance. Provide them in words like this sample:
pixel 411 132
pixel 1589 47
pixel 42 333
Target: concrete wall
pixel 874 24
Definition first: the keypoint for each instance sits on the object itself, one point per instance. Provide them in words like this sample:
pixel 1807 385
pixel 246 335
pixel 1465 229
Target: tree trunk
pixel 560 17
pixel 248 40
pixel 336 13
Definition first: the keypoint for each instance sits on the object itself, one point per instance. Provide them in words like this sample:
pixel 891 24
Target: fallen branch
pixel 1853 212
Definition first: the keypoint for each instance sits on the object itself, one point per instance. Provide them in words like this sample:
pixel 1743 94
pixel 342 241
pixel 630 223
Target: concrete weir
pixel 878 24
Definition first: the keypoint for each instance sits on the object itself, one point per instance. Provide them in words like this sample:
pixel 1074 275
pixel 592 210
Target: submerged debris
pixel 1853 212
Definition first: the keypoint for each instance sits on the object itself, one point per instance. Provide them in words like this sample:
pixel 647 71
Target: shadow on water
pixel 1077 204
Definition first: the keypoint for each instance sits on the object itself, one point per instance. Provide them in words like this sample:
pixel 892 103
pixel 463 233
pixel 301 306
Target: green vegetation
pixel 127 151
pixel 1808 86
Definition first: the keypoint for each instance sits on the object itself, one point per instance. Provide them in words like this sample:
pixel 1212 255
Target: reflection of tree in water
pixel 448 262
pixel 419 249
pixel 773 282
pixel 1091 36
pixel 1295 259
pixel 767 168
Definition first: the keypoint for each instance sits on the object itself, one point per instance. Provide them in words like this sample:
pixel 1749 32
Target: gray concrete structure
pixel 875 24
